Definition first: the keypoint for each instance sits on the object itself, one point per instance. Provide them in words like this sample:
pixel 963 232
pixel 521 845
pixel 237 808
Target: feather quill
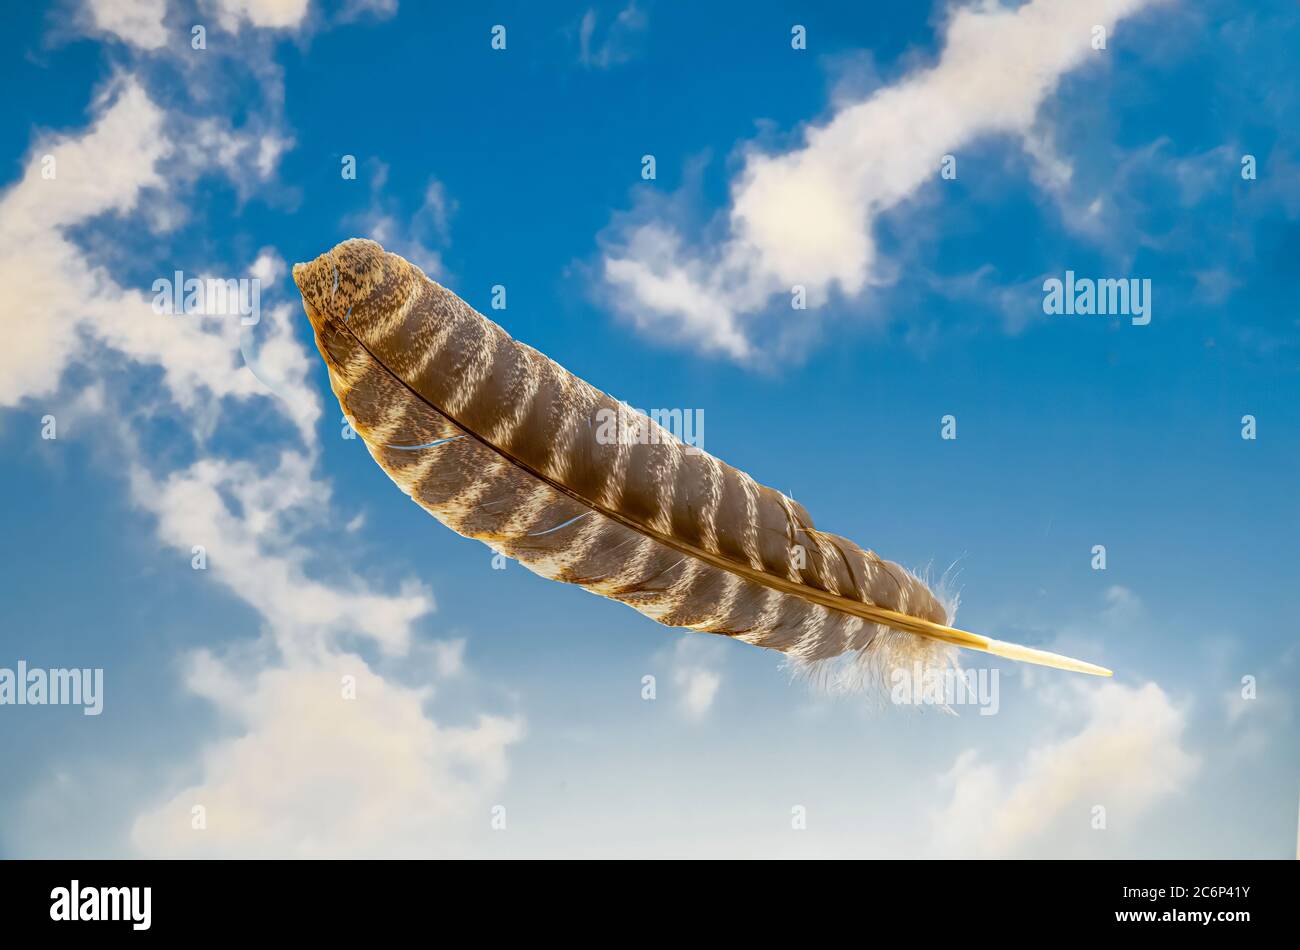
pixel 500 444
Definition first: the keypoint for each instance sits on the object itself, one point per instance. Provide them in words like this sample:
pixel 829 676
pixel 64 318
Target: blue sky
pixel 480 689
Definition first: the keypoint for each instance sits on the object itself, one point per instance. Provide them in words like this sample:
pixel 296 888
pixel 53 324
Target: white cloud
pixel 1258 710
pixel 807 217
pixel 438 206
pixel 309 772
pixel 1123 606
pixel 304 774
pixel 1127 757
pixel 294 15
pixel 267 14
pixel 251 547
pixel 72 307
pixel 106 169
pixel 613 46
pixel 313 774
pixel 102 170
pixel 353 9
pixel 695 677
pixel 420 237
pixel 141 23
pixel 449 657
pixel 70 302
pixel 138 22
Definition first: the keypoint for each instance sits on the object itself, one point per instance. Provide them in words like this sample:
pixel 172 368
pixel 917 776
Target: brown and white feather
pixel 678 535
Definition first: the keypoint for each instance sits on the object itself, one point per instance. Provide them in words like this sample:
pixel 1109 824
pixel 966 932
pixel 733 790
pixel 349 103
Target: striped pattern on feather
pixel 499 443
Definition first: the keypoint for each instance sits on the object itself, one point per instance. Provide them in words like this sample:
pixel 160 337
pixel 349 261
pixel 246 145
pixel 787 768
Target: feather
pixel 501 444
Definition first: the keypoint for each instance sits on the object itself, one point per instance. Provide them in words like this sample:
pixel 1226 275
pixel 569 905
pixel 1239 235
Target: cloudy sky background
pixel 479 689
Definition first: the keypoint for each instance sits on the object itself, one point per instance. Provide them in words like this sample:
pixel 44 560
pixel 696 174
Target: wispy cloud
pixel 333 761
pixel 603 45
pixel 695 663
pixel 1128 756
pixel 127 177
pixel 137 22
pixel 266 14
pixel 420 236
pixel 806 217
